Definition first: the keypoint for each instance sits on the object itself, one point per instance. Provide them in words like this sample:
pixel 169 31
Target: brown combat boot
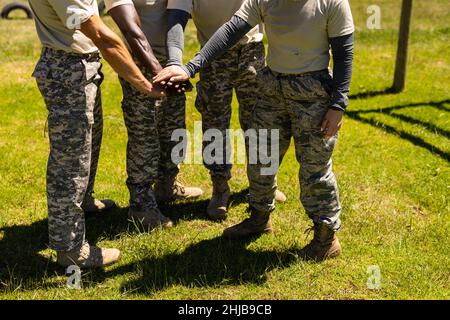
pixel 88 257
pixel 258 223
pixel 170 190
pixel 149 219
pixel 92 205
pixel 324 245
pixel 218 205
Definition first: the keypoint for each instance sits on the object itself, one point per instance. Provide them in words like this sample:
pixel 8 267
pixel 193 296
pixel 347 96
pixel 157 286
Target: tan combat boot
pixel 324 245
pixel 257 224
pixel 280 197
pixel 92 205
pixel 149 219
pixel 170 190
pixel 218 205
pixel 88 257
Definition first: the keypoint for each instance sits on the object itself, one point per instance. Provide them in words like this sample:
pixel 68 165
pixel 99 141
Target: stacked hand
pixel 172 74
pixel 176 88
pixel 165 84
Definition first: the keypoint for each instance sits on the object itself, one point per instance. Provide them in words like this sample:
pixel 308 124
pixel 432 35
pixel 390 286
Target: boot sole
pixel 217 217
pixel 91 267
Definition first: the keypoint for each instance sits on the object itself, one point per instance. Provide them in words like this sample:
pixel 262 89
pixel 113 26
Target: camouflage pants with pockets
pixel 70 86
pixel 296 105
pixel 236 69
pixel 150 123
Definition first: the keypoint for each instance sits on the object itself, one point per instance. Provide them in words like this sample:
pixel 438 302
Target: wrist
pixel 188 70
pixel 147 87
pixel 156 69
pixel 337 107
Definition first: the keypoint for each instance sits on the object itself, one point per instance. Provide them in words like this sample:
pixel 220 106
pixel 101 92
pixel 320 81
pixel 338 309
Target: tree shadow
pixel 371 94
pixel 358 115
pixel 208 263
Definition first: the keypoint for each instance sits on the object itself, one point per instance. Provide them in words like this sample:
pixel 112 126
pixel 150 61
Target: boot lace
pixel 179 187
pixel 308 231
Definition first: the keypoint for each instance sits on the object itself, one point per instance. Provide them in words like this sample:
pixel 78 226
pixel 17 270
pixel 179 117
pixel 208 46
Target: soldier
pixel 299 98
pixel 235 69
pixel 149 161
pixel 68 76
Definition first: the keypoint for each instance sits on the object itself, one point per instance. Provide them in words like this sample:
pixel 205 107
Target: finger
pixel 177 79
pixel 162 76
pixel 324 126
pixel 331 132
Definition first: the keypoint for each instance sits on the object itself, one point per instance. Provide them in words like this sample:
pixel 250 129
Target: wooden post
pixel 402 50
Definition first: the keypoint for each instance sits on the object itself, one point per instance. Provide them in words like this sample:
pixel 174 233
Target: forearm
pixel 177 21
pixel 224 38
pixel 127 19
pixel 342 49
pixel 143 51
pixel 115 52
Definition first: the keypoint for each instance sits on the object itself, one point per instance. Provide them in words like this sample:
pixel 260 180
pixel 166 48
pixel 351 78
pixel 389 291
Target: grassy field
pixel 392 163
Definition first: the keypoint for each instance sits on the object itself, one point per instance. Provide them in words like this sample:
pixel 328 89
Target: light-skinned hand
pixel 332 123
pixel 171 74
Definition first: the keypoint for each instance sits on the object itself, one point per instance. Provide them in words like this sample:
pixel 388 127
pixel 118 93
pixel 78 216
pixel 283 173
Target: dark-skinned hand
pixel 176 88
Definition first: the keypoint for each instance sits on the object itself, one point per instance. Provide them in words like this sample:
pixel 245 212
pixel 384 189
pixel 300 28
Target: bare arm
pixel 115 52
pixel 126 17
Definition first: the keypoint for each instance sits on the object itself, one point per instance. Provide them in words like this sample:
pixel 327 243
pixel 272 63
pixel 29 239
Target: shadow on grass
pixel 208 263
pixel 371 94
pixel 21 263
pixel 416 140
pixel 196 209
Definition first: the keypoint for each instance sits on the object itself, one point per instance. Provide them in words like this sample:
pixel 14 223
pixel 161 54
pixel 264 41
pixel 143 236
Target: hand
pixel 156 69
pixel 156 91
pixel 177 88
pixel 171 74
pixel 331 123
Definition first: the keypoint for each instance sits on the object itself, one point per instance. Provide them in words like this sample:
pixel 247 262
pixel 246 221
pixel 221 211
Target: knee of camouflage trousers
pixel 150 124
pixel 236 69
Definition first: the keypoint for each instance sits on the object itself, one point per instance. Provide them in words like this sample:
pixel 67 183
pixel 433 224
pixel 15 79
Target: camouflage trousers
pixel 236 69
pixel 150 123
pixel 296 105
pixel 70 86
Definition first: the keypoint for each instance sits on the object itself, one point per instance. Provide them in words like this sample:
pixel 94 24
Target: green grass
pixel 392 163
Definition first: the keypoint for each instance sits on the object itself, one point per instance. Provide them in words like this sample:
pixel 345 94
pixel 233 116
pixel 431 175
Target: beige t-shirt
pixel 298 30
pixel 58 22
pixel 153 15
pixel 210 15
